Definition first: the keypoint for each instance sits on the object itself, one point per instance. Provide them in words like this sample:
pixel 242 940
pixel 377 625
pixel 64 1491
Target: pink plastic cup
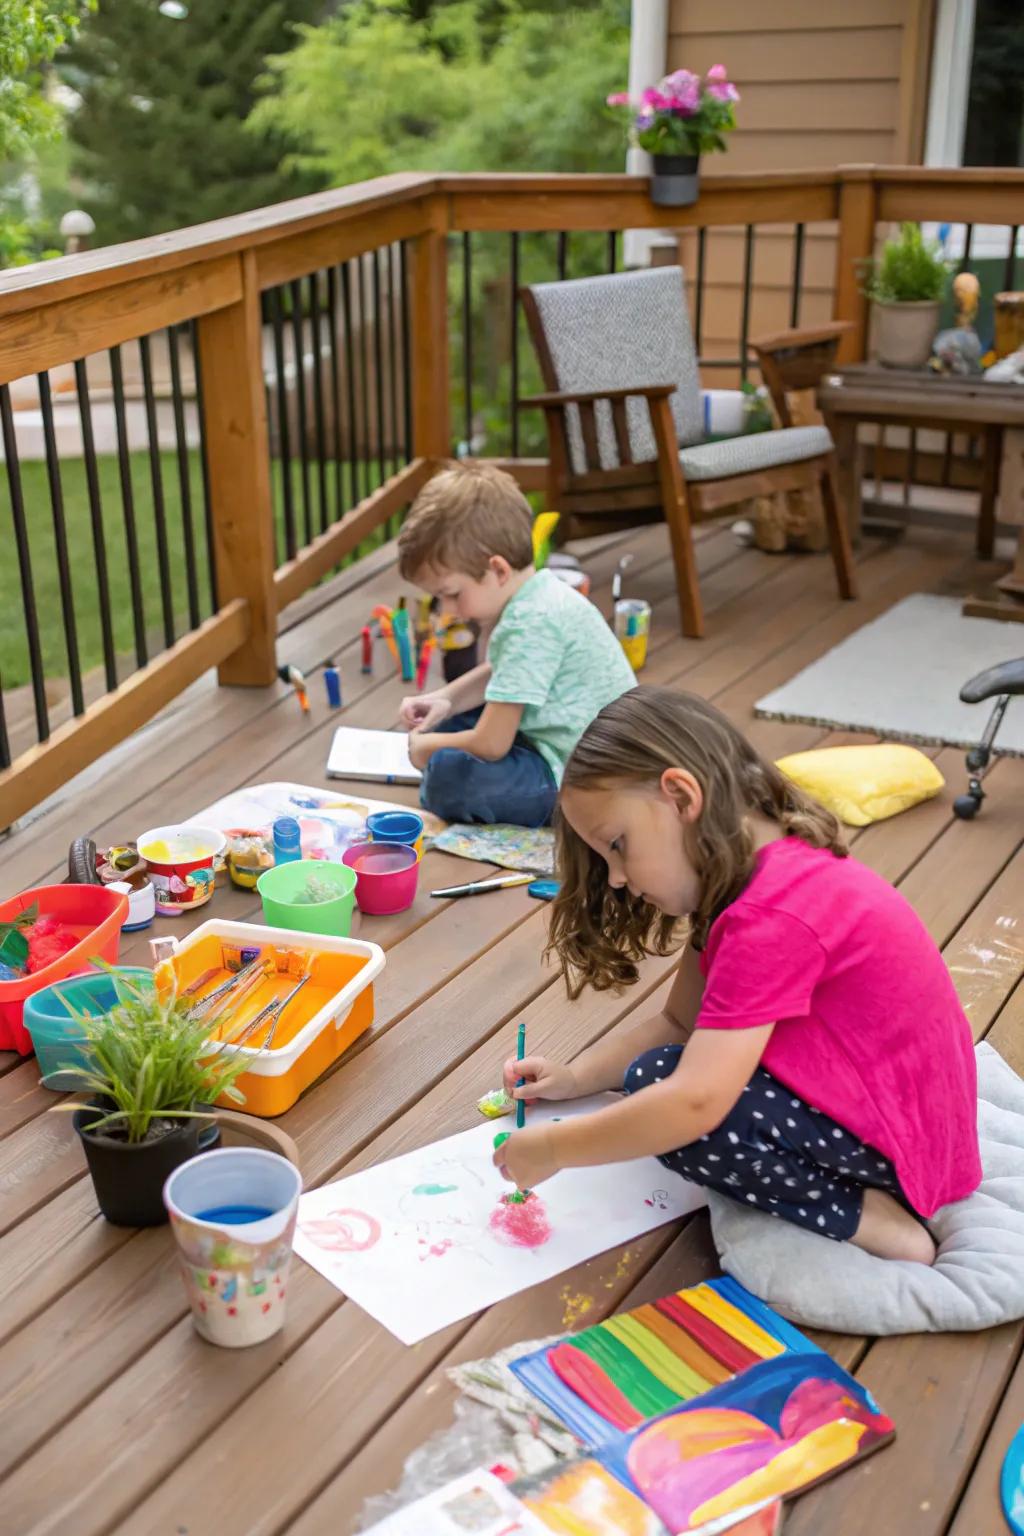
pixel 386 876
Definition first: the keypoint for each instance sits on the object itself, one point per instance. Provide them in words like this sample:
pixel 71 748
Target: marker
pixel 426 651
pixel 518 1196
pixel 403 639
pixel 367 634
pixel 294 677
pixel 332 682
pixel 478 887
pixel 520 1053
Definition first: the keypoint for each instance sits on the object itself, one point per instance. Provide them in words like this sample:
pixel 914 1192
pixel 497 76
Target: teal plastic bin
pixel 57 1039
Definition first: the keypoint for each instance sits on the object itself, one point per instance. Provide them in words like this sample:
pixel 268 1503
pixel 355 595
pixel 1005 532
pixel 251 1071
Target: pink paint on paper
pixel 520 1226
pixel 435 1250
pixel 343 1231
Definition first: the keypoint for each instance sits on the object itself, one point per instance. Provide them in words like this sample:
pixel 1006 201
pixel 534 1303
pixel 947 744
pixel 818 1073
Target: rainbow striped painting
pixel 630 1368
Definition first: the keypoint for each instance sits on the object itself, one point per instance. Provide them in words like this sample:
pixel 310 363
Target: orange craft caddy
pixel 334 1007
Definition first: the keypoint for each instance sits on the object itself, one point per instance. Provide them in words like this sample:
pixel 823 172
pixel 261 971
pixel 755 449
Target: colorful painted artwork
pixel 431 1237
pixel 520 848
pixel 620 1372
pixel 328 821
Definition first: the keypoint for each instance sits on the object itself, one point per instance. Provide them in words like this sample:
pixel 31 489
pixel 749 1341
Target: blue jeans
pixel 520 788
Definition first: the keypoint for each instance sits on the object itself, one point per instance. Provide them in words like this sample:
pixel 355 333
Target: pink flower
pixel 723 91
pixel 618 99
pixel 718 72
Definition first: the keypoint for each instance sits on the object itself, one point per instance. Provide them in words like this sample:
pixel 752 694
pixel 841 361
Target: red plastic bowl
pixel 95 911
pixel 386 876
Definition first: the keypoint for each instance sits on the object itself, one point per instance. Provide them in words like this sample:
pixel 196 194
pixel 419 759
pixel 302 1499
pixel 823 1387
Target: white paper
pixel 377 755
pixel 329 821
pixel 426 1239
pixel 478 1504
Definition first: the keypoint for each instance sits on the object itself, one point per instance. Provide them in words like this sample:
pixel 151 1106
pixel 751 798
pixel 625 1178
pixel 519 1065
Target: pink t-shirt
pixel 868 1025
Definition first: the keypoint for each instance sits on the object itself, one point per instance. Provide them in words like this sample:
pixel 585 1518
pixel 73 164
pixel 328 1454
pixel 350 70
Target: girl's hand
pixel 543 1079
pixel 424 711
pixel 527 1157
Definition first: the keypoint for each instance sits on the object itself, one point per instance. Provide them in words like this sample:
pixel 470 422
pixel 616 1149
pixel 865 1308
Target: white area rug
pixel 900 676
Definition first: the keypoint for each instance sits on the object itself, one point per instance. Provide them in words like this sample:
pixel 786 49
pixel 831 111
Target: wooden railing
pixel 244 284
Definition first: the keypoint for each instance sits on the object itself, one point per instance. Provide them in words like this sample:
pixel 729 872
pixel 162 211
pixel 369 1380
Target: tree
pixel 165 90
pixel 389 85
pixel 31 32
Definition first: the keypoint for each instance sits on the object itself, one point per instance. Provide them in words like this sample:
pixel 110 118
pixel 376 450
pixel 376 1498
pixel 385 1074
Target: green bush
pixel 910 269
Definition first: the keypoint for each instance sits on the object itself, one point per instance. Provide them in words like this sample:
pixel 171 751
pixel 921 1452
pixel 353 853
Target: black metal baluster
pixel 350 387
pixel 131 539
pixel 965 259
pixel 99 539
pixel 378 363
pixel 406 357
pixel 563 255
pixel 284 432
pixel 184 479
pixel 5 745
pixel 156 479
pixel 1009 270
pixel 798 276
pixel 60 540
pixel 467 337
pixel 365 343
pixel 332 321
pixel 698 299
pixel 211 553
pixel 298 357
pixel 318 399
pixel 612 250
pixel 393 339
pixel 748 272
pixel 514 339
pixel 21 544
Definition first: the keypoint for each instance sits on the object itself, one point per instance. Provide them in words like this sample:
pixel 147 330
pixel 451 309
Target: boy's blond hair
pixel 464 515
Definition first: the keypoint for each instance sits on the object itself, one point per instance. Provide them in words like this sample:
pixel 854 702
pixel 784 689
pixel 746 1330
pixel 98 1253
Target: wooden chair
pixel 625 423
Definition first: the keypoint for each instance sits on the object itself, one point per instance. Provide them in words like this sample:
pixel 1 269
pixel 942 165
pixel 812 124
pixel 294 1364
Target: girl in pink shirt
pixel 813 1059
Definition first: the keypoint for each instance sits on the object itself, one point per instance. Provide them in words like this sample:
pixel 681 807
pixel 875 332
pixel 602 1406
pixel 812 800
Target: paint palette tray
pixel 617 1374
pixel 334 1007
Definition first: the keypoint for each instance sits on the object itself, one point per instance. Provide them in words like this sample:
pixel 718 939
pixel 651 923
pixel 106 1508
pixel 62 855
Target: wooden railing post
pixel 857 214
pixel 431 415
pixel 238 450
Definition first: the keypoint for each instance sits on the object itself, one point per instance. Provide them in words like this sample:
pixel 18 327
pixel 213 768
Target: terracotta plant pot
pixel 904 332
pixel 676 180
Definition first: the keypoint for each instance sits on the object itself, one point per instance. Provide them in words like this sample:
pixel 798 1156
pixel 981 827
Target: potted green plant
pixel 676 121
pixel 905 285
pixel 149 1081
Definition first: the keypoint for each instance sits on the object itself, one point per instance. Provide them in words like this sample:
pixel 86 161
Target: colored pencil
pixel 521 1103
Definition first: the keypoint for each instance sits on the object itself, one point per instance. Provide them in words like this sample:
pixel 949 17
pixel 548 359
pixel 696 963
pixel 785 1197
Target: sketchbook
pixel 379 756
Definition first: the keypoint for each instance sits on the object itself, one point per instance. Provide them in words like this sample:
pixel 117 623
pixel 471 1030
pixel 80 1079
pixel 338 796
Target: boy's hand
pixel 543 1079
pixel 527 1158
pixel 424 711
pixel 420 751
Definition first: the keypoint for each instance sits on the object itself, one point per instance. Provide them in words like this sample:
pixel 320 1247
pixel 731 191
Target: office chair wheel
pixel 967 806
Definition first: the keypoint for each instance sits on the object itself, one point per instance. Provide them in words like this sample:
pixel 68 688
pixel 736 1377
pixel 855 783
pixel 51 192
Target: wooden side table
pixel 916 398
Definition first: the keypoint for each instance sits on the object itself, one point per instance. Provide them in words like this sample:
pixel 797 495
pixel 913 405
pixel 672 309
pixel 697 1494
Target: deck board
pixel 96 1350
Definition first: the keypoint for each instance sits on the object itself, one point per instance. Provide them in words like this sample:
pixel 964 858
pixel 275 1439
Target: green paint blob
pixel 501 1138
pixel 434 1189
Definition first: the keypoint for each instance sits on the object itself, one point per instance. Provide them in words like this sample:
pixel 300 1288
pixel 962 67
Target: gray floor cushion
pixel 976 1282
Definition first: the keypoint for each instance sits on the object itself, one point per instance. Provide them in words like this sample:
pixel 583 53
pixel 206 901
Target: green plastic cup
pixel 280 887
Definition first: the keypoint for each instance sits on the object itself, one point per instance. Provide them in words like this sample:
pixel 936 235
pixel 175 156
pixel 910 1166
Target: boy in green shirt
pixel 492 744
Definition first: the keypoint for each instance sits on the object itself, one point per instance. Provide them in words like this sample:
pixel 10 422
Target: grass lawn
pixel 14 656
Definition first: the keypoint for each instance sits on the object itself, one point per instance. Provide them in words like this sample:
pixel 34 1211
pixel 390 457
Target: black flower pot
pixel 676 180
pixel 129 1177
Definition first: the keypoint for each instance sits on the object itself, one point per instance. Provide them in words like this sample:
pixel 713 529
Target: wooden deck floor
pixel 116 1418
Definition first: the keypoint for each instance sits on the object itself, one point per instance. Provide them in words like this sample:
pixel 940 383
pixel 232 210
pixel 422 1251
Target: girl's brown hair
pixel 600 934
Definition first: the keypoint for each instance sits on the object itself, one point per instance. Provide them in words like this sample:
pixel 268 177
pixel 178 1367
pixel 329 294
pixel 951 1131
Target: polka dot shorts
pixel 776 1153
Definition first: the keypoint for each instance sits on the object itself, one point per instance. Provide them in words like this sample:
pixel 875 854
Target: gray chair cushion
pixel 758 450
pixel 619 331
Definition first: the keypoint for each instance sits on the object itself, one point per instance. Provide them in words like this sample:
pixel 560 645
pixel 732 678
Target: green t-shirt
pixel 552 652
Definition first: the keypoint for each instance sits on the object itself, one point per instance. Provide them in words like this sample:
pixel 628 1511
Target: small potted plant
pixel 676 121
pixel 149 1080
pixel 905 285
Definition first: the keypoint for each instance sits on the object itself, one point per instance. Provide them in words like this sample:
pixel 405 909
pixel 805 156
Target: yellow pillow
pixel 865 784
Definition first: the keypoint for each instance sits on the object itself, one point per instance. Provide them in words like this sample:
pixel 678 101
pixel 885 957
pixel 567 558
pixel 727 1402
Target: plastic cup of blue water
pixel 233 1215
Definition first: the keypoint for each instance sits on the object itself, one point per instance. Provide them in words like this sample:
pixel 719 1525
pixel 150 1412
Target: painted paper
pixel 431 1237
pixel 329 822
pixel 527 849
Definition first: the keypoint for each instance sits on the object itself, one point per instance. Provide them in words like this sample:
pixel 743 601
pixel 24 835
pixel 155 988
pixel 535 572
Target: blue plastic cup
pixel 404 827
